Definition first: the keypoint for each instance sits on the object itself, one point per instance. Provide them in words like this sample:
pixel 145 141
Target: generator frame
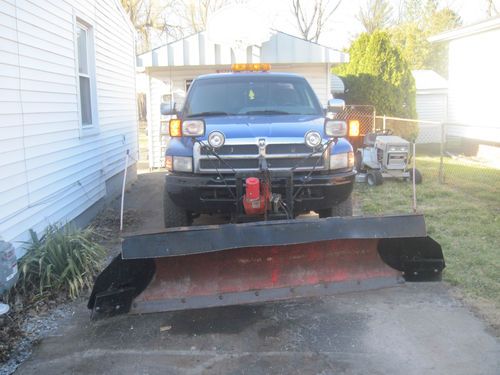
pixel 384 156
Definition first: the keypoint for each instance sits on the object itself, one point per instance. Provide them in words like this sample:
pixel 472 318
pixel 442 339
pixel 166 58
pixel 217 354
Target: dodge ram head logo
pixel 262 147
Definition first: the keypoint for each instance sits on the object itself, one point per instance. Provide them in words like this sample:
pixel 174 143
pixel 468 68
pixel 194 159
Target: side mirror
pixel 335 105
pixel 167 109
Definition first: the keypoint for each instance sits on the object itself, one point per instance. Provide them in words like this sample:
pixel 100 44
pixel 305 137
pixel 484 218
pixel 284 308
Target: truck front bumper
pixel 212 194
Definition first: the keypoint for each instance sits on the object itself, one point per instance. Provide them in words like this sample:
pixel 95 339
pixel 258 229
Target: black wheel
pixel 358 160
pixel 418 176
pixel 374 178
pixel 342 209
pixel 173 215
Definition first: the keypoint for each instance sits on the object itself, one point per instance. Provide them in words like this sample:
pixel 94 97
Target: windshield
pixel 251 95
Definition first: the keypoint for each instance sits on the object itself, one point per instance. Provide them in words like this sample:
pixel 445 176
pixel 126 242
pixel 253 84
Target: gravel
pixel 22 330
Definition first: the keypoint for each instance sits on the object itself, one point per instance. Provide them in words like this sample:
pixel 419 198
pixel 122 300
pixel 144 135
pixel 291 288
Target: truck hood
pixel 286 126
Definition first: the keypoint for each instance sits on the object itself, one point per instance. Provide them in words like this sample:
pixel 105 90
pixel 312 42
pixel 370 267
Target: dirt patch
pixel 107 223
pixel 10 334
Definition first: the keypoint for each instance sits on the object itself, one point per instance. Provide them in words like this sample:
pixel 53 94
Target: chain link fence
pixel 446 155
pixel 459 194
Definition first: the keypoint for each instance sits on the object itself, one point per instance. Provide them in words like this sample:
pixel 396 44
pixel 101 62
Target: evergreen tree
pixel 378 74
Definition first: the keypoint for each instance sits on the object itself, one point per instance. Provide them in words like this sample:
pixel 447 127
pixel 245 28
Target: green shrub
pixel 64 260
pixel 377 74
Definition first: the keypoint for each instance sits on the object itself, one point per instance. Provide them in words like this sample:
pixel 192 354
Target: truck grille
pixel 234 150
pixel 245 157
pixel 288 149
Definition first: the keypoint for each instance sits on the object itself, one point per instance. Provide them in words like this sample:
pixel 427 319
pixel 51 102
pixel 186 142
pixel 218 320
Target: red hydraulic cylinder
pixel 253 201
pixel 253 188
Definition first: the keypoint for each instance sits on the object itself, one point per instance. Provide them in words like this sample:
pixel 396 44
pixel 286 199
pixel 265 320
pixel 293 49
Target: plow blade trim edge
pixel 202 239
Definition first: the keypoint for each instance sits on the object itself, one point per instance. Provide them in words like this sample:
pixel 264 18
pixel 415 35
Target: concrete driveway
pixel 414 329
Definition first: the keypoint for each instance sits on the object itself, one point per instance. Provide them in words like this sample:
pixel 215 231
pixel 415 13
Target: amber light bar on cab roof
pixel 257 67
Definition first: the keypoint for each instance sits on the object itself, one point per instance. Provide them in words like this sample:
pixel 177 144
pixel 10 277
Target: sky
pixel 343 26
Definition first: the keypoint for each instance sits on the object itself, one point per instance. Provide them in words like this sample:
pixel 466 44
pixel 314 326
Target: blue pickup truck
pixel 255 145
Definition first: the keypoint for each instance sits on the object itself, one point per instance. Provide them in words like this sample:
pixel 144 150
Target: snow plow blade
pixel 197 267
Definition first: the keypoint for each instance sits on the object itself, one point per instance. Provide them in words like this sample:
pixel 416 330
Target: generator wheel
pixel 358 160
pixel 173 215
pixel 374 178
pixel 342 209
pixel 418 176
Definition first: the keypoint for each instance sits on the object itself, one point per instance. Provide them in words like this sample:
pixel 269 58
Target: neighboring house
pixel 473 81
pixel 171 68
pixel 67 110
pixel 431 100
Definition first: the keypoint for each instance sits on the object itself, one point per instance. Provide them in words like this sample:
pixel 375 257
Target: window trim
pixel 93 128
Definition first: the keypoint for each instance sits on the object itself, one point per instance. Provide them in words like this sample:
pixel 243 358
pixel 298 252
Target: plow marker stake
pixel 197 267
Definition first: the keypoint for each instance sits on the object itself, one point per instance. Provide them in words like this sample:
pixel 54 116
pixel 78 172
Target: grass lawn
pixel 463 215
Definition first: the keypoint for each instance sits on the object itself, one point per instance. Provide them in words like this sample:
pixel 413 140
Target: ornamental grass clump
pixel 62 261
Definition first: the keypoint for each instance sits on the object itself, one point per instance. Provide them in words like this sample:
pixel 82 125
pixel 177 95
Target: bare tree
pixel 375 15
pixel 492 10
pixel 150 19
pixel 197 12
pixel 312 18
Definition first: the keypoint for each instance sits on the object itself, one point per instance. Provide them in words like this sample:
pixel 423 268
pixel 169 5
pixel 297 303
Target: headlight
pixel 342 161
pixel 216 139
pixel 335 128
pixel 183 164
pixel 353 128
pixel 193 128
pixel 312 139
pixel 397 148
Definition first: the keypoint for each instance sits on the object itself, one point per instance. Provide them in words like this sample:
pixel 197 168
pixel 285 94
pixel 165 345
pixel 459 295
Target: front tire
pixel 342 209
pixel 173 215
pixel 358 161
pixel 374 178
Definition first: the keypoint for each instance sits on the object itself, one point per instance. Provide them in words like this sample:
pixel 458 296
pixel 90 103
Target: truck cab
pixel 255 145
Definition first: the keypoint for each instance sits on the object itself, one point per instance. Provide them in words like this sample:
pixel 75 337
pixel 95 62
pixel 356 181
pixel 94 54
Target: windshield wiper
pixel 210 113
pixel 269 112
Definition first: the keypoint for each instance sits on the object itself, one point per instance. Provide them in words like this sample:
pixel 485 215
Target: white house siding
pixel 51 171
pixel 317 75
pixel 474 80
pixel 431 106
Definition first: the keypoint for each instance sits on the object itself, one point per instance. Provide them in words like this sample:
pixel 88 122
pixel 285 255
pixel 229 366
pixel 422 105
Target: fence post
pixel 383 123
pixel 413 182
pixel 441 155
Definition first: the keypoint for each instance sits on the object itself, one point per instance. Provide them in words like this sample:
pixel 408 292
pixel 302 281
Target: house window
pixel 86 77
pixel 188 84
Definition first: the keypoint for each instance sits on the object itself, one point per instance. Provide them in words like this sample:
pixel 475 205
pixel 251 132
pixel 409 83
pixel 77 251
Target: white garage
pixel 431 100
